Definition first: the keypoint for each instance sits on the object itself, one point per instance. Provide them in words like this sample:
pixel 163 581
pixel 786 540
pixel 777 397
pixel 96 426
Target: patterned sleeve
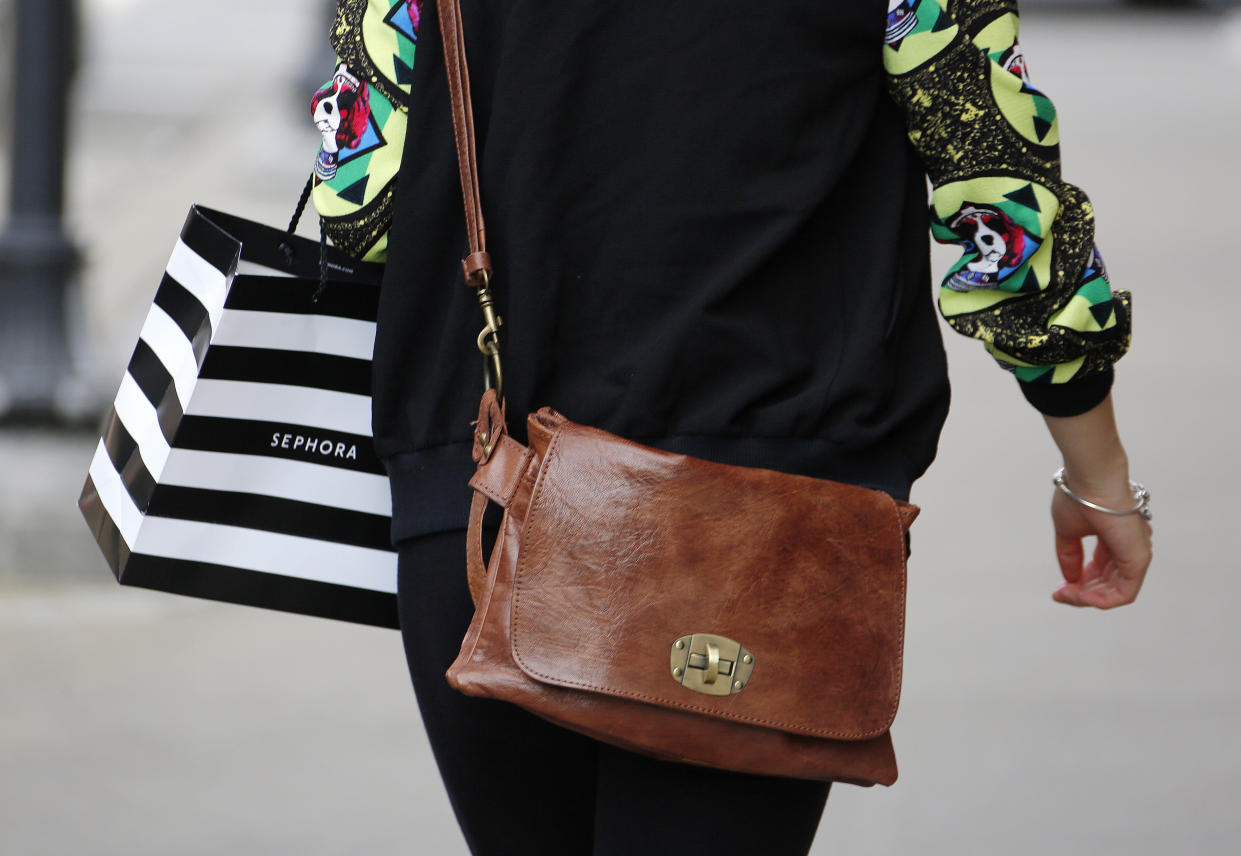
pixel 1030 283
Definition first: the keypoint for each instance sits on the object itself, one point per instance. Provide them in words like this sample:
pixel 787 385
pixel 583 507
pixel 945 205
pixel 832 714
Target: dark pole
pixel 37 259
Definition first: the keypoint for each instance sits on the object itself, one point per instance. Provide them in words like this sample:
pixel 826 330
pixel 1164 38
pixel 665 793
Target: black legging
pixel 520 785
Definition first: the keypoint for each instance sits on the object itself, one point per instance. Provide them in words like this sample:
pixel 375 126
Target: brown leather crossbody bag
pixel 726 616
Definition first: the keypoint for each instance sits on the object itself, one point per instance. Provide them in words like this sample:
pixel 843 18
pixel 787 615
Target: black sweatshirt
pixel 709 235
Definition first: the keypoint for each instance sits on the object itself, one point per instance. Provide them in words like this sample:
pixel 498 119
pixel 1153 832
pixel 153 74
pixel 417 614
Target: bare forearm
pixel 1095 463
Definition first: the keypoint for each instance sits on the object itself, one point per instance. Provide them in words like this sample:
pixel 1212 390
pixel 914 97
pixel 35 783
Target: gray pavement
pixel 140 723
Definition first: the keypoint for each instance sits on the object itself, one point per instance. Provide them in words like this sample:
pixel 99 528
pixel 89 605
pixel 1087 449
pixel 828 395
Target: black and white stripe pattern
pixel 236 463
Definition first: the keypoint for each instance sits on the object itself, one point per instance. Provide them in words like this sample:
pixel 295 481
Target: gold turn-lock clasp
pixel 711 664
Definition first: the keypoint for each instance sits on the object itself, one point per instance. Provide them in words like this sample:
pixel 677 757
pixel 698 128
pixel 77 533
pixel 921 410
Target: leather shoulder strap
pixel 477 264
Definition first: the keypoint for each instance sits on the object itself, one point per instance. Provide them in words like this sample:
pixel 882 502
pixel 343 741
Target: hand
pixel 1114 574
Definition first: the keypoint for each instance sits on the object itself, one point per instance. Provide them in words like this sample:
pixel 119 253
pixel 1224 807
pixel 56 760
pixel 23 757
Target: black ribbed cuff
pixel 1068 399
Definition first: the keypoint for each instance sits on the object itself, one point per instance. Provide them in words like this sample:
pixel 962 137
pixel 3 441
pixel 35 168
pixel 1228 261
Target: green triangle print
pixel 1102 312
pixel 355 192
pixel 942 22
pixel 404 73
pixel 1025 196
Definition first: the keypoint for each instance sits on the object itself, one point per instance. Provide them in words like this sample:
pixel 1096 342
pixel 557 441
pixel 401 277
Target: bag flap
pixel 628 549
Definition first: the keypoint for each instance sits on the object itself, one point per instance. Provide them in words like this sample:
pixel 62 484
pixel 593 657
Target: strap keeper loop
pixel 477 268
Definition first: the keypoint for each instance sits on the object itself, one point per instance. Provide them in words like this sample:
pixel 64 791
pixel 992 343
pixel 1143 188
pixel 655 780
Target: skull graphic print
pixel 999 246
pixel 341 112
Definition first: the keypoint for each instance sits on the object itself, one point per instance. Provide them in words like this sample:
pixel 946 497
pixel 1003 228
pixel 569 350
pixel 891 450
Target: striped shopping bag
pixel 236 463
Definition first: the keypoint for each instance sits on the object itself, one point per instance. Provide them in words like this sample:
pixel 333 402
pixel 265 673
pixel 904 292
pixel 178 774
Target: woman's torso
pixel 709 235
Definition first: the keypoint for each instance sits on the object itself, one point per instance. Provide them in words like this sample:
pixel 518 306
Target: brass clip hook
pixel 489 339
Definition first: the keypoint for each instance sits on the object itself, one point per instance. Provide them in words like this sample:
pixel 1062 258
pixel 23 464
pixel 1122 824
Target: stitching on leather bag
pixel 456 100
pixel 494 487
pixel 535 505
pixel 526 455
pixel 898 544
pixel 536 499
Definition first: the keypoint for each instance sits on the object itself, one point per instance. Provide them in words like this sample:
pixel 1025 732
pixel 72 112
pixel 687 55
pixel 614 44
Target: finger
pixel 1069 594
pixel 1108 598
pixel 1101 561
pixel 1103 593
pixel 1070 556
pixel 1084 596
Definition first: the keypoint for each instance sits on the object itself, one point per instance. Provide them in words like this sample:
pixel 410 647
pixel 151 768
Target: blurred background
pixel 142 723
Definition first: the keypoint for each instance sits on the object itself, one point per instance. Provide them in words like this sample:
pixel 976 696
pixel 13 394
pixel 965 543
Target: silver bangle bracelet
pixel 1140 494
